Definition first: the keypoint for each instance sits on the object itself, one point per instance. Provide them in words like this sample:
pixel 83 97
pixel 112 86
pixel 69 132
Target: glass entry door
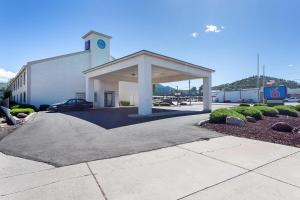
pixel 108 99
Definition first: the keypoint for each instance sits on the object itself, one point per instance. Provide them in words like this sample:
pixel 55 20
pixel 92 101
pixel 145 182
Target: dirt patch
pixel 261 130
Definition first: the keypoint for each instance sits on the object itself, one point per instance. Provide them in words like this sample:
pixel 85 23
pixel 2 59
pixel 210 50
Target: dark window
pixel 95 97
pixel 87 45
pixel 24 97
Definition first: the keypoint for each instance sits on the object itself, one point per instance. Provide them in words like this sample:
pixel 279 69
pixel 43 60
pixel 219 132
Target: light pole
pixel 190 92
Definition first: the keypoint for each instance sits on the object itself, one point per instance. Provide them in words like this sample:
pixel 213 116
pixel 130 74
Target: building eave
pixel 149 53
pixel 96 33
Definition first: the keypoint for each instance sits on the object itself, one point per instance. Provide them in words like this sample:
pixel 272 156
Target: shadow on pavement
pixel 109 118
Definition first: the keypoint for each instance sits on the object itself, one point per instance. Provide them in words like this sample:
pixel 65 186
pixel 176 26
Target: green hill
pixel 250 82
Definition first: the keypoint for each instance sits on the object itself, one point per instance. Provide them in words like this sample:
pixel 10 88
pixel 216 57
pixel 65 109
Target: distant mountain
pixel 251 82
pixel 161 90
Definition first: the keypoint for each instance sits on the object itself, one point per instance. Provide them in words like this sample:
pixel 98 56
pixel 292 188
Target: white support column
pixel 207 99
pixel 145 88
pixel 89 89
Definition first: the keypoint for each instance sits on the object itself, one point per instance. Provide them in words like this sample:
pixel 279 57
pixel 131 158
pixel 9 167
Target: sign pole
pixel 257 84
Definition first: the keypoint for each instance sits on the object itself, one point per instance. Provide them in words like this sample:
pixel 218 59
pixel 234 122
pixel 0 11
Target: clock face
pixel 101 44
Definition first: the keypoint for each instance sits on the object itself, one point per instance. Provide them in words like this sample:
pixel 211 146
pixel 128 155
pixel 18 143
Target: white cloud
pixel 290 65
pixel 213 28
pixel 195 34
pixel 5 75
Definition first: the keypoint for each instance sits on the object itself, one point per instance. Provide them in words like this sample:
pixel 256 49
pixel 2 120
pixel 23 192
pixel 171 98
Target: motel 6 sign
pixel 276 92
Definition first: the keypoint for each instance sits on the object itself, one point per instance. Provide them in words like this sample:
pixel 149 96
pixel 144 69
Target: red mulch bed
pixel 261 130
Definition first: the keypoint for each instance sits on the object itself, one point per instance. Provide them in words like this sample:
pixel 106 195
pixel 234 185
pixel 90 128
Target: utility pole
pixel 263 83
pixel 257 84
pixel 177 96
pixel 190 92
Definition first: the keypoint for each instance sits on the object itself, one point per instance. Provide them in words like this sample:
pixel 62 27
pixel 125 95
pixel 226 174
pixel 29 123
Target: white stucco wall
pixel 128 91
pixel 98 56
pixel 59 79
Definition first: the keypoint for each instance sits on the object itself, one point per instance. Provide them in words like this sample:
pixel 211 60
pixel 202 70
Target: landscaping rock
pixel 296 130
pixel 282 126
pixel 202 122
pixel 21 115
pixel 235 121
pixel 251 119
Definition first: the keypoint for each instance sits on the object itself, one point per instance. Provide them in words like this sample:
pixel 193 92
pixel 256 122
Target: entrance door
pixel 108 99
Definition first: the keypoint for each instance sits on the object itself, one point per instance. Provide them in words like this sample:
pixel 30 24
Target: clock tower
pixel 98 45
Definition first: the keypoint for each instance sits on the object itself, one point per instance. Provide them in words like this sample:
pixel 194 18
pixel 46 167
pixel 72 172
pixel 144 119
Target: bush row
pixel 16 111
pixel 242 111
pixel 124 103
pixel 249 111
pixel 287 110
pixel 219 115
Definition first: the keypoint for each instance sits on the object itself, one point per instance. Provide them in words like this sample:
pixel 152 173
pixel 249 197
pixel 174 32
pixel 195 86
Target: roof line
pixel 96 33
pixel 149 53
pixel 56 57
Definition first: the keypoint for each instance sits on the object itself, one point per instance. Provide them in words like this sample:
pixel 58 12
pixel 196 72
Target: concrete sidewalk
pixel 220 168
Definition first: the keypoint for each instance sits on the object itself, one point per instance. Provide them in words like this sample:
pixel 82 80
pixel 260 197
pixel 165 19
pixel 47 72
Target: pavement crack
pixel 32 188
pixel 101 189
pixel 213 158
pixel 213 185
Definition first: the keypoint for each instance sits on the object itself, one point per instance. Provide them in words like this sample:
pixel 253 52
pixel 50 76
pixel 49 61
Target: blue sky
pixel 35 29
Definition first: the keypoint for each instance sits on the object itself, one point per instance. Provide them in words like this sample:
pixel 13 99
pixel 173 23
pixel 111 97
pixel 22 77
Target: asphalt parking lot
pixel 69 138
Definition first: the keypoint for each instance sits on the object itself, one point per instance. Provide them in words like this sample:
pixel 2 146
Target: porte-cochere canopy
pixel 146 68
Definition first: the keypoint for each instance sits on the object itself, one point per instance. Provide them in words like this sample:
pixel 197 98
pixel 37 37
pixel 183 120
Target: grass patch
pixel 16 111
pixel 219 115
pixel 23 106
pixel 267 111
pixel 249 111
pixel 286 110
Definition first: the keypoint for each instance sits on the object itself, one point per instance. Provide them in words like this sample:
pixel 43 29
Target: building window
pixel 21 81
pixel 95 97
pixel 17 98
pixel 24 77
pixel 24 97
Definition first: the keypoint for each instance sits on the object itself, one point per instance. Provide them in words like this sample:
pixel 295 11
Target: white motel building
pixel 93 74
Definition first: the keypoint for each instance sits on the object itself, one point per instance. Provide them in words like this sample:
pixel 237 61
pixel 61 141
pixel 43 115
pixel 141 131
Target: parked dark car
pixel 70 105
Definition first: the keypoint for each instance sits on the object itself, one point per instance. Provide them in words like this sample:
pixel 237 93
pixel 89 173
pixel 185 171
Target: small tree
pixel 6 94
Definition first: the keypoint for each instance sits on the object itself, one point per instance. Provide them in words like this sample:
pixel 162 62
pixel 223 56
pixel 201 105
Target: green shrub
pixel 249 111
pixel 219 115
pixel 260 104
pixel 124 103
pixel 297 107
pixel 43 107
pixel 27 111
pixel 267 111
pixel 23 106
pixel 156 104
pixel 245 104
pixel 286 110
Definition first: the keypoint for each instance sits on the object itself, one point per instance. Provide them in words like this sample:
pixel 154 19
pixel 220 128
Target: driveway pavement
pixel 71 138
pixel 216 169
